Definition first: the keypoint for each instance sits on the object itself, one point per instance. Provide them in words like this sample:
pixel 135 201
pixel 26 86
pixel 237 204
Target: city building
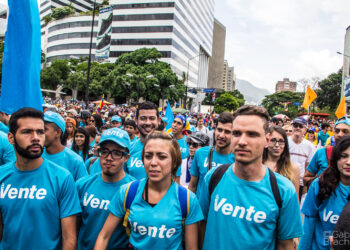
pixel 286 85
pixel 224 75
pixel 218 56
pixel 181 30
pixel 3 21
pixel 231 79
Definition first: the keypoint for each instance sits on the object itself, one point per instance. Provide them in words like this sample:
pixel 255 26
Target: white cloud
pixel 271 39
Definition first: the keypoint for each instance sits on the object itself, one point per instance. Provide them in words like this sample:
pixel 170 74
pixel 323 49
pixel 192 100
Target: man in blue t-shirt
pixel 96 191
pixel 131 128
pixel 147 120
pixel 323 135
pixel 38 200
pixel 242 211
pixel 222 152
pixel 56 152
pixel 7 152
pixel 319 161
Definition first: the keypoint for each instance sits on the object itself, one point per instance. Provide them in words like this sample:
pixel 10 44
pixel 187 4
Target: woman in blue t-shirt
pixel 155 215
pixel 80 143
pixel 326 198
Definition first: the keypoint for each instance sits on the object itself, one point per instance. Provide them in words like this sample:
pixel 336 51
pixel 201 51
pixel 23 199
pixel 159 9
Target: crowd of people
pixel 117 178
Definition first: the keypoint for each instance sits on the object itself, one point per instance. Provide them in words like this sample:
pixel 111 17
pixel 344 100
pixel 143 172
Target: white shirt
pixel 300 154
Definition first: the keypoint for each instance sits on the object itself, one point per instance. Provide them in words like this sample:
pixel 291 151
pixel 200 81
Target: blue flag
pixel 169 116
pixel 20 83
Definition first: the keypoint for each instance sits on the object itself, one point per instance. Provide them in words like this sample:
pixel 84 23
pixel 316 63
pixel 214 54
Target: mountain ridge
pixel 251 93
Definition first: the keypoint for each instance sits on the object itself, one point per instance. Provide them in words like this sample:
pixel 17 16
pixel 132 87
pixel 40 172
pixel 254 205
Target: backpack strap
pixel 329 151
pixel 92 161
pixel 275 190
pixel 184 199
pixel 210 158
pixel 216 177
pixel 128 199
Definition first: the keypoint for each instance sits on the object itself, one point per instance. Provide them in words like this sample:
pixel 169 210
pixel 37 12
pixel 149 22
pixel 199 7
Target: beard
pixel 25 153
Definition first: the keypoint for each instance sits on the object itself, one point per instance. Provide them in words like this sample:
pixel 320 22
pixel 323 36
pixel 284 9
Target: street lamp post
pixel 89 60
pixel 187 75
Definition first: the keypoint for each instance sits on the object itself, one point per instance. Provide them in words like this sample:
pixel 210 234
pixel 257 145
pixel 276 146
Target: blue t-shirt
pixel 95 194
pixel 4 128
pixel 326 215
pixel 134 165
pixel 133 141
pixel 7 152
pixel 200 162
pixel 183 148
pixel 245 212
pixel 323 137
pixel 69 160
pixel 162 225
pixel 319 162
pixel 32 204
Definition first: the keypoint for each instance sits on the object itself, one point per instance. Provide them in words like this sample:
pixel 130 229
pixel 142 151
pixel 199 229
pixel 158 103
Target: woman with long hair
pixel 326 199
pixel 81 143
pixel 96 120
pixel 156 202
pixel 276 157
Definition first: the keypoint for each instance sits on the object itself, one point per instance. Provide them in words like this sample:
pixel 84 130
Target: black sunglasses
pixel 193 144
pixel 297 125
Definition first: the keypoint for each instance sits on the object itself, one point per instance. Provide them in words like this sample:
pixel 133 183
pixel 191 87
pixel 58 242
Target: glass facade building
pixel 182 30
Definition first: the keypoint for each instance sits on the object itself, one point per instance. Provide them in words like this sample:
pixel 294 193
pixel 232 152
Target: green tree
pixel 59 13
pixel 55 75
pixel 328 96
pixel 239 97
pixel 275 103
pixel 225 102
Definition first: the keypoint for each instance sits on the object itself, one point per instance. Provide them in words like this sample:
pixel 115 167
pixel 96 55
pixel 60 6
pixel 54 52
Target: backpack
pixel 184 199
pixel 220 171
pixel 329 154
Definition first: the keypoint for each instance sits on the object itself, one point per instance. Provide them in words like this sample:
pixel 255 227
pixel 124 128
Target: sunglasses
pixel 193 144
pixel 297 125
pixel 287 130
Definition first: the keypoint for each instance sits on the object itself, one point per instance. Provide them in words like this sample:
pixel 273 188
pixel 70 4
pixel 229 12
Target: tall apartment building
pixel 346 67
pixel 218 56
pixel 228 77
pixel 182 30
pixel 286 85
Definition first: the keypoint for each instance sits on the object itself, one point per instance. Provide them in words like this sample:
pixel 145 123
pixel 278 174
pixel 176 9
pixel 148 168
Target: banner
pixel 104 34
pixel 20 83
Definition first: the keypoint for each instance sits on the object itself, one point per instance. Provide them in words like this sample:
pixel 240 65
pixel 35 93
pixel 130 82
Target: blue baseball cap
pixel 299 120
pixel 50 116
pixel 116 135
pixel 343 120
pixel 182 118
pixel 116 118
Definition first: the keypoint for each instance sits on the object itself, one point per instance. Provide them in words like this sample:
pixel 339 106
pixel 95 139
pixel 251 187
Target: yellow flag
pixel 310 96
pixel 341 110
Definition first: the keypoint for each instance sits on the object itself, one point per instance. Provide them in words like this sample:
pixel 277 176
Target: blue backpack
pixel 184 199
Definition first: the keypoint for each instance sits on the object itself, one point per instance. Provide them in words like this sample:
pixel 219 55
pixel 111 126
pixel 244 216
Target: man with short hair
pixel 208 157
pixel 301 150
pixel 56 152
pixel 147 120
pixel 96 191
pixel 38 200
pixel 241 210
pixel 323 135
pixel 320 160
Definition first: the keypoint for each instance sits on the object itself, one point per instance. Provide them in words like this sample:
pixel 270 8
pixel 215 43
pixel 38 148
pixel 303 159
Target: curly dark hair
pixel 330 178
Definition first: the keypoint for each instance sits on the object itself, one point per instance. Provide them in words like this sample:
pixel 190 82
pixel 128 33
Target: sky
pixel 268 40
